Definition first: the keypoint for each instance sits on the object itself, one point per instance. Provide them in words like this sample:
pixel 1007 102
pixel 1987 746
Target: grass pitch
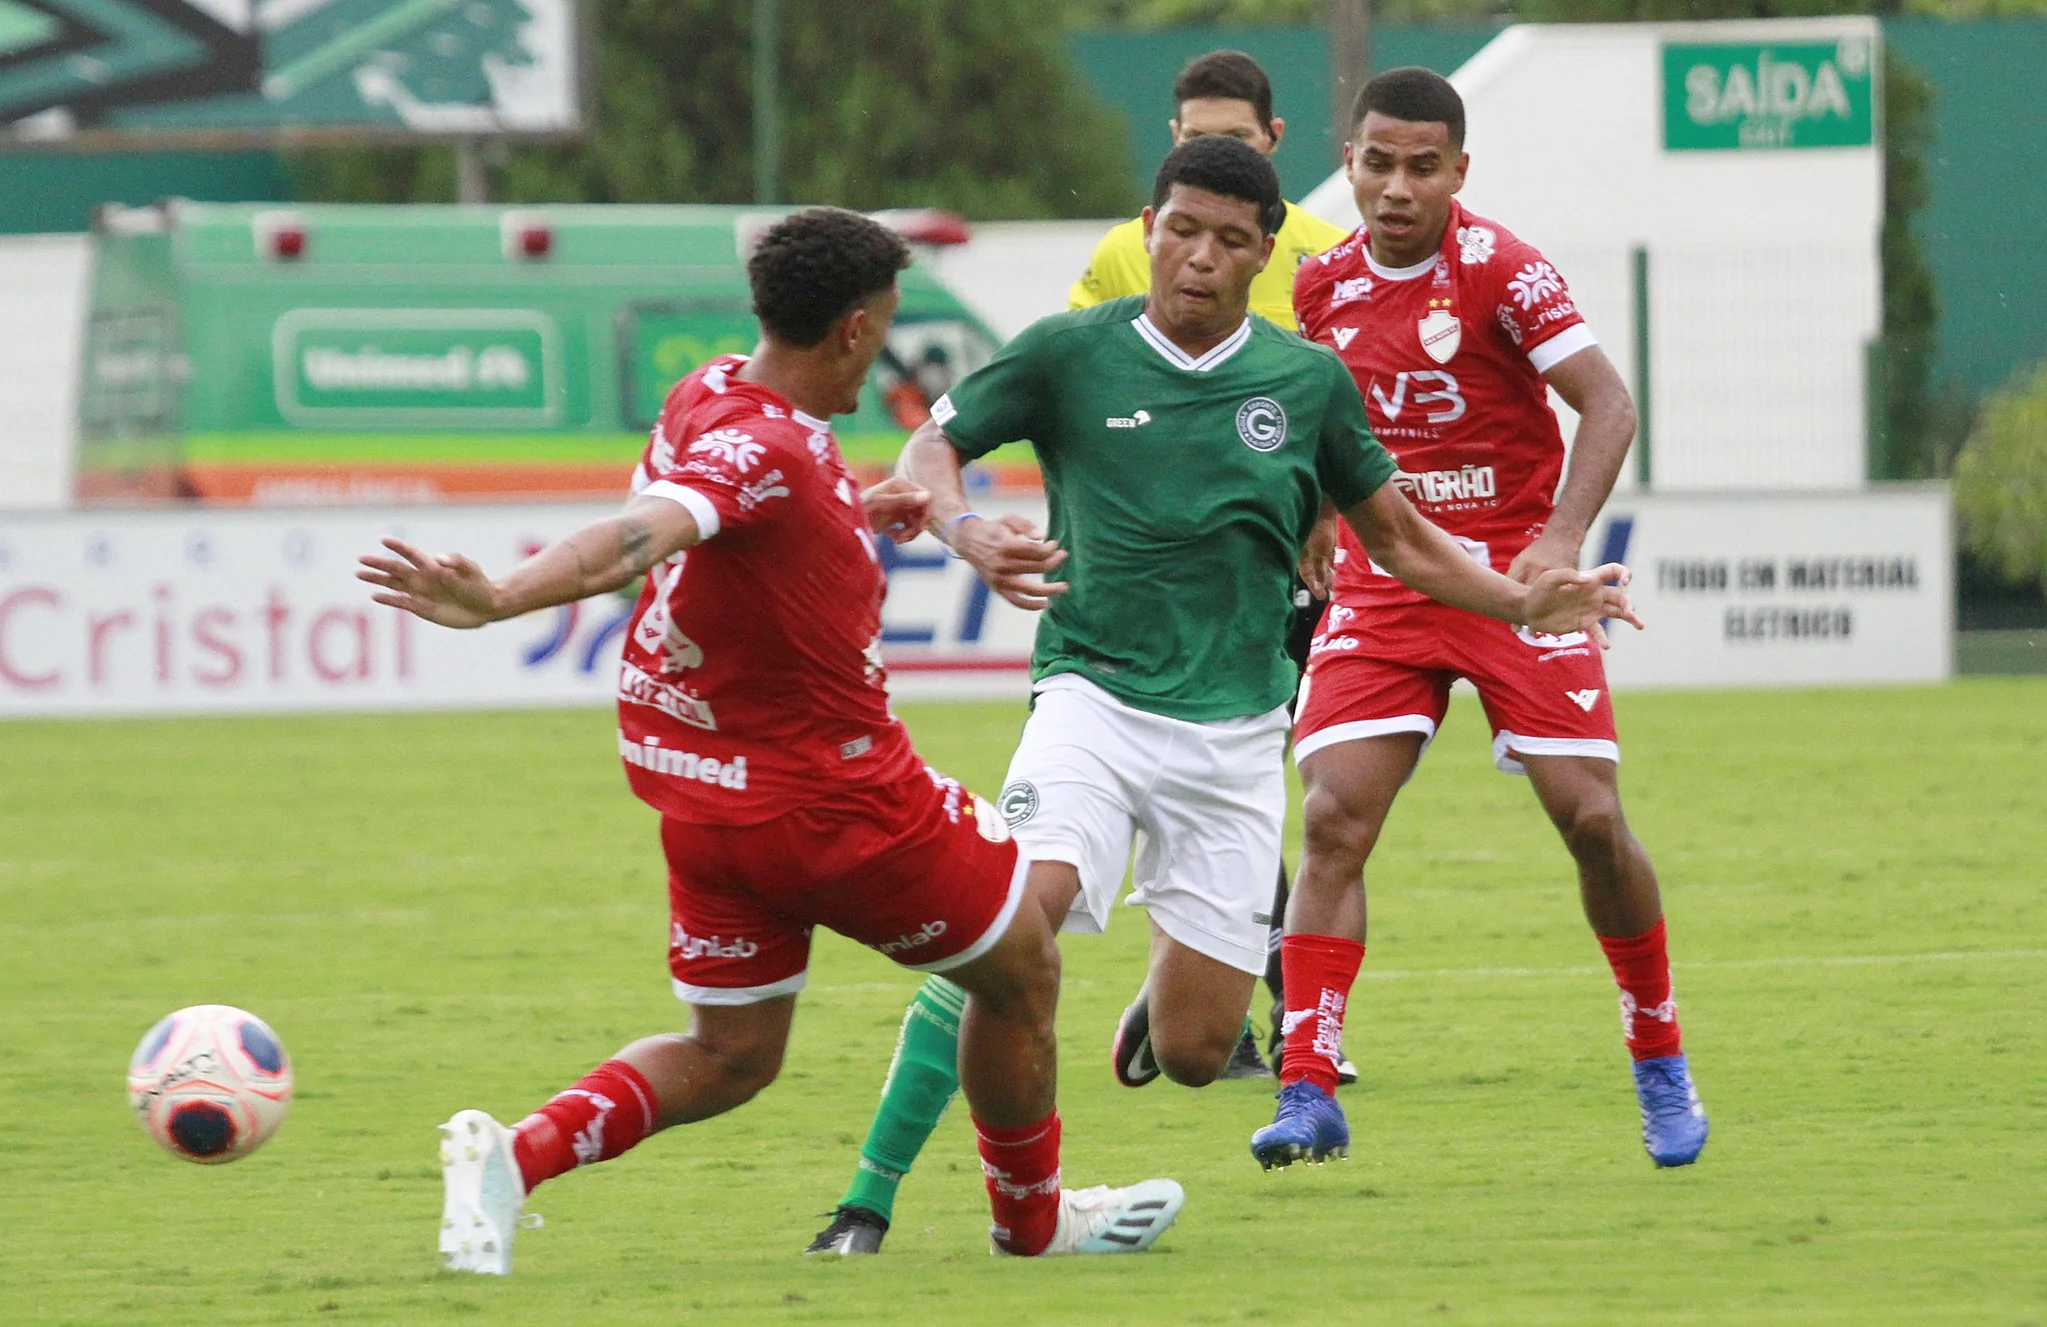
pixel 448 911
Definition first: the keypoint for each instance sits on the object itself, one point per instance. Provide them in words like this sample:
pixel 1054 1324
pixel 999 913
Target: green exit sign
pixel 1722 97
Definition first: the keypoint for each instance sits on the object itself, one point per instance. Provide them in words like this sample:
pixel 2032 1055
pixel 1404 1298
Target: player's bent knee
pixel 1195 1065
pixel 1336 832
pixel 1594 828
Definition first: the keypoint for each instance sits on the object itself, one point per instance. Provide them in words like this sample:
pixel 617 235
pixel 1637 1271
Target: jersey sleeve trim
pixel 1561 347
pixel 691 501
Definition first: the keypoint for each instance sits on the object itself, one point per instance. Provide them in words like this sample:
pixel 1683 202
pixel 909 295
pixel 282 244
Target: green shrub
pixel 2001 479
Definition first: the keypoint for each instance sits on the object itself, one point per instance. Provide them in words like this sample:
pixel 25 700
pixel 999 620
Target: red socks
pixel 1641 968
pixel 1316 973
pixel 606 1113
pixel 1022 1166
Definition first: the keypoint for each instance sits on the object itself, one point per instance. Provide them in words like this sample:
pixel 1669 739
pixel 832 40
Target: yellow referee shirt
pixel 1120 266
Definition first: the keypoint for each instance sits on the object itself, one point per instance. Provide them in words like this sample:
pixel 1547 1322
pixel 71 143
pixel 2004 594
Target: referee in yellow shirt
pixel 1223 92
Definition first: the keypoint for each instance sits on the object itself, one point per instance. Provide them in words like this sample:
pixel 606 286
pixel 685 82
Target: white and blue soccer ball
pixel 210 1083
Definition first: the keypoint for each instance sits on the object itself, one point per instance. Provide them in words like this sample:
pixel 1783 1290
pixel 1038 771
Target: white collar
pixel 1420 269
pixel 1179 358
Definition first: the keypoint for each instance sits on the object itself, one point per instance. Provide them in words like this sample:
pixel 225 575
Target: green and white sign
pixel 1734 96
pixel 410 368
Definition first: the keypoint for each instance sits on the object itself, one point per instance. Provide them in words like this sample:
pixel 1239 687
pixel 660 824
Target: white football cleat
pixel 483 1194
pixel 1106 1220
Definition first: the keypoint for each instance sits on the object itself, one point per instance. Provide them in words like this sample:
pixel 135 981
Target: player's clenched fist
pixel 1560 602
pixel 1012 555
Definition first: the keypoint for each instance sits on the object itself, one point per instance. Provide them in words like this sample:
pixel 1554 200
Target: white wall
pixel 1012 273
pixel 1764 266
pixel 42 321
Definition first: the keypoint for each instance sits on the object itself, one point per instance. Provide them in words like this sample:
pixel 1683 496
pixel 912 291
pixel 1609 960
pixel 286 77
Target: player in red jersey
pixel 1454 329
pixel 753 715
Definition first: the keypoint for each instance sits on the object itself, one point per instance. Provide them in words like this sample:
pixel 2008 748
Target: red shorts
pixel 920 869
pixel 1375 671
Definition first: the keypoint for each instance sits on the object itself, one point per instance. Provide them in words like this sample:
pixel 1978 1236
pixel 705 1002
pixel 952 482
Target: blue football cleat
pixel 1673 1121
pixel 1309 1127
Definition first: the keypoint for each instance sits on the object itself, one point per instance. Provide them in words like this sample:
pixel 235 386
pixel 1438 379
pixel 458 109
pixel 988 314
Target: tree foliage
pixel 965 104
pixel 2001 480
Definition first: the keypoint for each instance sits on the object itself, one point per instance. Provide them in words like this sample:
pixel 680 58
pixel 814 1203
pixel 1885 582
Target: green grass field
pixel 448 911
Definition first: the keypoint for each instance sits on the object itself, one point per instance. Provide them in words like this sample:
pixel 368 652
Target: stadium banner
pixel 228 611
pixel 1766 590
pixel 212 611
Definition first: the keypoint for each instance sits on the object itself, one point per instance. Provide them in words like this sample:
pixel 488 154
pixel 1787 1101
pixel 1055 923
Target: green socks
pixel 921 1082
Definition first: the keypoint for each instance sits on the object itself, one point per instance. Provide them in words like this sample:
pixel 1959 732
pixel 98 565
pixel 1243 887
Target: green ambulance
pixel 245 354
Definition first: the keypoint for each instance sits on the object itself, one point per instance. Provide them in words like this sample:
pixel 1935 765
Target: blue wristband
pixel 945 529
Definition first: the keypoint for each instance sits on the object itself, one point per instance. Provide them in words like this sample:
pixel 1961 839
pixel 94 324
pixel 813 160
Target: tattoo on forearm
pixel 635 544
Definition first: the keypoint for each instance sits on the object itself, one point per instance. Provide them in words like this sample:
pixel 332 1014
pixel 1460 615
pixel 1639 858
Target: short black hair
pixel 1229 75
pixel 1226 166
pixel 812 266
pixel 1414 94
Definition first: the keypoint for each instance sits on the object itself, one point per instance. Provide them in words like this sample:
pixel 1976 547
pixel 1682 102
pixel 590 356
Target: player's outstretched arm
pixel 452 591
pixel 1010 554
pixel 1590 385
pixel 1422 557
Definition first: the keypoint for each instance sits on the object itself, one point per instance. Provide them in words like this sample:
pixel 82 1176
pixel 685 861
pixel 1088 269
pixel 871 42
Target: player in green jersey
pixel 1188 448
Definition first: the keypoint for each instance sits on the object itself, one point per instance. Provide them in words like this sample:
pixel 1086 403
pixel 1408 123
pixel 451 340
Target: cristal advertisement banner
pixel 131 613
pixel 225 612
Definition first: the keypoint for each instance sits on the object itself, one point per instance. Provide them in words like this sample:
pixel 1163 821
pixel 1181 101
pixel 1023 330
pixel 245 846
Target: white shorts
pixel 1204 804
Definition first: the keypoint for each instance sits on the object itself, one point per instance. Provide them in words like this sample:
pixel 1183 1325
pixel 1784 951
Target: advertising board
pixel 227 611
pixel 252 611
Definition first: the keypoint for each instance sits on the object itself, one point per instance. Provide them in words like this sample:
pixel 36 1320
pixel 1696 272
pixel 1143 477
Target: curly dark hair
pixel 1226 76
pixel 1226 166
pixel 812 266
pixel 1414 94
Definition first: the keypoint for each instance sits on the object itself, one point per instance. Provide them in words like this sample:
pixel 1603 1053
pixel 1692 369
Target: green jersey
pixel 1182 489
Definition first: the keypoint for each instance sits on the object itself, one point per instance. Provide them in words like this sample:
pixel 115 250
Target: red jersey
pixel 1449 355
pixel 751 678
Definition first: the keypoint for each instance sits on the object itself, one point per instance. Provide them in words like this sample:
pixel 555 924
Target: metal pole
pixel 767 102
pixel 1644 406
pixel 472 181
pixel 1350 64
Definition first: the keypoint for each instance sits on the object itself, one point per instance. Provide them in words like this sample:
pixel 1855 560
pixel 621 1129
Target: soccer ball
pixel 210 1083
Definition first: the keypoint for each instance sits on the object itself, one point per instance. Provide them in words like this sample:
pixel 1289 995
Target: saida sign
pixel 1734 96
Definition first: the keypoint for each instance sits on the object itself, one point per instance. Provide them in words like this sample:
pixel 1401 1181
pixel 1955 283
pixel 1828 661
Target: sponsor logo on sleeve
pixel 1535 283
pixel 736 449
pixel 1019 802
pixel 1475 245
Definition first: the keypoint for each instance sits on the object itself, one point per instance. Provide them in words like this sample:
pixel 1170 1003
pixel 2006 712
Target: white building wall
pixel 43 292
